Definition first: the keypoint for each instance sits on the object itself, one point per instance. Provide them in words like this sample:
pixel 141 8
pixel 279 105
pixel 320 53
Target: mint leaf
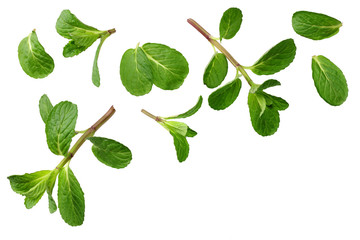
pixel 276 59
pixel 181 146
pixel 315 26
pixel 267 84
pixel 45 107
pixel 70 197
pixel 49 189
pixel 190 133
pixel 71 49
pixel 225 96
pixel 33 59
pixel 275 102
pixel 60 127
pixel 190 112
pixel 215 71
pixel 32 186
pixel 136 72
pixel 329 81
pixel 230 23
pixel 95 73
pixel 175 127
pixel 170 67
pixel 110 152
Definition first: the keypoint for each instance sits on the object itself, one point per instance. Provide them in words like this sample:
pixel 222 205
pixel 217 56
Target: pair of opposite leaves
pixel 140 68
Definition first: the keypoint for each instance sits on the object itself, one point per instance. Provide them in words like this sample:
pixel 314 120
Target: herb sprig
pixel 60 121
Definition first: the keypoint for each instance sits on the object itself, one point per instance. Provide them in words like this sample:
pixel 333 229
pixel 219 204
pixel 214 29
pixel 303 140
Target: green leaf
pixel 267 84
pixel 169 66
pixel 49 189
pixel 60 127
pixel 33 59
pixel 190 133
pixel 70 197
pixel 32 186
pixel 329 81
pixel 275 102
pixel 230 23
pixel 45 107
pixel 264 121
pixel 136 72
pixel 276 59
pixel 71 49
pixel 315 26
pixel 181 146
pixel 225 96
pixel 69 26
pixel 175 127
pixel 216 70
pixel 190 112
pixel 95 73
pixel 110 152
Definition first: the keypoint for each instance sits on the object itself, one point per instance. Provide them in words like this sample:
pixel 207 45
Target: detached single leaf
pixel 230 23
pixel 276 59
pixel 190 112
pixel 329 81
pixel 315 26
pixel 175 127
pixel 264 121
pixel 70 197
pixel 60 127
pixel 110 152
pixel 45 107
pixel 181 146
pixel 215 71
pixel 223 97
pixel 33 59
pixel 136 72
pixel 32 186
pixel 170 67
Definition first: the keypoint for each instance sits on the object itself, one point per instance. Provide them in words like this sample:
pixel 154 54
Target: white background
pixel 301 183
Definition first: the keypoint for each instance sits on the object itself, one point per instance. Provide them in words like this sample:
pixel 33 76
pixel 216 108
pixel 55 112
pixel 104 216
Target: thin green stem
pixel 215 43
pixel 88 133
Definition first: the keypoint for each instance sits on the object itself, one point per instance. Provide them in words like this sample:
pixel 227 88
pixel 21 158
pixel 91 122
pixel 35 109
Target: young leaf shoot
pixel 81 37
pixel 315 26
pixel 33 59
pixel 150 64
pixel 60 122
pixel 178 130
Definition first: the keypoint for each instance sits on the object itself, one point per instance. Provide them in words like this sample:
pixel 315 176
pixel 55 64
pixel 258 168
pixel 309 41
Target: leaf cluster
pixel 60 121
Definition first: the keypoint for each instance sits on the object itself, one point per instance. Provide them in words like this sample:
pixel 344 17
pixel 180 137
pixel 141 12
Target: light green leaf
pixel 45 107
pixel 315 26
pixel 95 73
pixel 225 96
pixel 215 71
pixel 170 67
pixel 69 26
pixel 70 197
pixel 110 152
pixel 136 72
pixel 32 186
pixel 190 112
pixel 276 59
pixel 49 189
pixel 175 127
pixel 264 121
pixel 230 23
pixel 60 127
pixel 329 81
pixel 181 146
pixel 33 59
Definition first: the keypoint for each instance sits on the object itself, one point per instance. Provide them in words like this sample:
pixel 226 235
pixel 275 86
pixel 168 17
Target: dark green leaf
pixel 225 96
pixel 267 84
pixel 110 152
pixel 315 26
pixel 71 49
pixel 33 59
pixel 190 133
pixel 71 198
pixel 32 186
pixel 276 59
pixel 181 146
pixel 275 102
pixel 170 67
pixel 329 81
pixel 45 107
pixel 230 23
pixel 216 70
pixel 136 72
pixel 190 112
pixel 60 127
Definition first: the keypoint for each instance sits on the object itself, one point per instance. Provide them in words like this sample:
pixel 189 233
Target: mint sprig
pixel 60 123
